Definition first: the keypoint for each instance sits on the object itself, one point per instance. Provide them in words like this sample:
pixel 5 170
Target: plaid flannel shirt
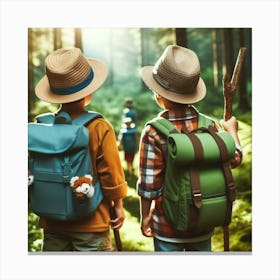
pixel 152 158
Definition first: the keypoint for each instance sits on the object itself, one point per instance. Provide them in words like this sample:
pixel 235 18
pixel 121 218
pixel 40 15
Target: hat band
pixel 190 84
pixel 75 88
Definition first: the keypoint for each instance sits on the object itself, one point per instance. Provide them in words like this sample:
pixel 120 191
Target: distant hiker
pixel 128 141
pixel 70 81
pixel 128 111
pixel 176 83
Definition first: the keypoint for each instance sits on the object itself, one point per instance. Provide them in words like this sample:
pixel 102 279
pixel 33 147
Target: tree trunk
pixel 215 58
pixel 142 54
pixel 31 97
pixel 78 38
pixel 242 97
pixel 228 52
pixel 57 38
pixel 181 37
pixel 111 54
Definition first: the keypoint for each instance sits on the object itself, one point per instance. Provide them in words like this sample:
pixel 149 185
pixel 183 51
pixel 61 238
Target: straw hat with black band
pixel 176 76
pixel 70 76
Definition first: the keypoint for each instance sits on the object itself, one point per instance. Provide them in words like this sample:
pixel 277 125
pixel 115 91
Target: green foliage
pixel 243 174
pixel 115 97
pixel 241 226
pixel 41 107
pixel 35 234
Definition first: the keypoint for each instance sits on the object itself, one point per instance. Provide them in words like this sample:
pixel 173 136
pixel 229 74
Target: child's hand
pixel 117 221
pixel 120 146
pixel 146 226
pixel 230 125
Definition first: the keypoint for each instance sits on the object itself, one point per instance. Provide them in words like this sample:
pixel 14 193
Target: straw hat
pixel 70 76
pixel 176 76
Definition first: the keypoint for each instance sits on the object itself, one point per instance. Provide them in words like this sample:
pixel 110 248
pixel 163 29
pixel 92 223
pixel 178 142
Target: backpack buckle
pixel 66 172
pixel 197 198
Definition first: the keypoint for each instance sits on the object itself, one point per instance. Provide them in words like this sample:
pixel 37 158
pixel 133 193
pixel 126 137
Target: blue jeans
pixel 162 246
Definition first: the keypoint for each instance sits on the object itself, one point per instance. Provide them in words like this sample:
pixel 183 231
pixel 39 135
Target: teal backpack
pixel 198 187
pixel 59 155
pixel 128 139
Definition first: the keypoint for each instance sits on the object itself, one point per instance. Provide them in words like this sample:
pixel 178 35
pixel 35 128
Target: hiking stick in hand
pixel 229 86
pixel 116 232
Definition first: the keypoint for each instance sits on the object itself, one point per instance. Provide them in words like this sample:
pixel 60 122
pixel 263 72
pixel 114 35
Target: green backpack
pixel 198 187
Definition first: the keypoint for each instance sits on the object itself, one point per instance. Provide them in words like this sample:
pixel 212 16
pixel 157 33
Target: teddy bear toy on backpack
pixel 30 180
pixel 82 186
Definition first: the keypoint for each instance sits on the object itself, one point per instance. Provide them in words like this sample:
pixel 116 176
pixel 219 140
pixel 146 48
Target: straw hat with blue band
pixel 70 76
pixel 176 76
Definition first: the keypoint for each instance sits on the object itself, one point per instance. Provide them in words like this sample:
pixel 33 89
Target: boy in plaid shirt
pixel 176 83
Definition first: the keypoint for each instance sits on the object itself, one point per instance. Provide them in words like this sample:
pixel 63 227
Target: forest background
pixel 125 51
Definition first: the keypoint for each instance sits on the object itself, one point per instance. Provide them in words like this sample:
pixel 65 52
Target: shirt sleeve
pixel 106 160
pixel 151 165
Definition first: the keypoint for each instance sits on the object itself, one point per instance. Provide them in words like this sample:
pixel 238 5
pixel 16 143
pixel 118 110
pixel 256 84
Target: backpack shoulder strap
pixel 82 119
pixel 86 117
pixel 163 125
pixel 166 127
pixel 204 121
pixel 47 118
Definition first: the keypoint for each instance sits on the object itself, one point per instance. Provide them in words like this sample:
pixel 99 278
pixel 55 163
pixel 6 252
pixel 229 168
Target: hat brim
pixel 187 98
pixel 44 92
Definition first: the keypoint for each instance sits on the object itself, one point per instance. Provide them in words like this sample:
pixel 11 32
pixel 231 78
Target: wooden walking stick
pixel 229 88
pixel 116 232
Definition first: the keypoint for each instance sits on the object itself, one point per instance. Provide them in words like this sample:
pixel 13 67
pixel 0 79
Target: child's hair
pixel 168 104
pixel 128 103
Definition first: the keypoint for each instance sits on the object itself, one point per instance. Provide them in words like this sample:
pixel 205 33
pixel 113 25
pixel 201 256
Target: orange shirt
pixel 107 166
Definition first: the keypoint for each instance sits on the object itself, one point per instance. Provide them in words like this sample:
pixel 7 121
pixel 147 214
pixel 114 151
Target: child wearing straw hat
pixel 70 81
pixel 176 83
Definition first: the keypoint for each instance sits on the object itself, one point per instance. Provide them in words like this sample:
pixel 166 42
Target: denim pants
pixel 77 241
pixel 163 246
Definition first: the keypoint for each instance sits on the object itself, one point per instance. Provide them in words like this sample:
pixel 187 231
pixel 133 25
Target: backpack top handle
pixel 63 118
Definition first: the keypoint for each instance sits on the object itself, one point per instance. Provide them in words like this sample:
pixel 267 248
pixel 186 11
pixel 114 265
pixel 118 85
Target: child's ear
pixel 156 94
pixel 88 99
pixel 158 97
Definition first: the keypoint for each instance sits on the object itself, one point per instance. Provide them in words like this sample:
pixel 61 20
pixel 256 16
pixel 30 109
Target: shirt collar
pixel 189 113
